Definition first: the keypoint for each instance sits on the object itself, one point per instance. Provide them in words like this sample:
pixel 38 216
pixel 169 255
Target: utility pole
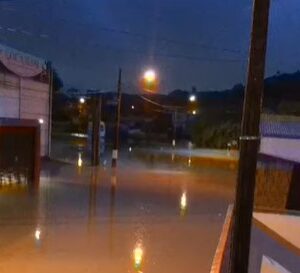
pixel 50 78
pixel 174 127
pixel 96 119
pixel 118 118
pixel 249 139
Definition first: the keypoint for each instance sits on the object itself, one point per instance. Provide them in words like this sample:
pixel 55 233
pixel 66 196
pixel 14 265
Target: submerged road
pixel 138 219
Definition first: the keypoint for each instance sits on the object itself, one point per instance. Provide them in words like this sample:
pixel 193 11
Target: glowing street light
pixel 194 112
pixel 149 81
pixel 150 75
pixel 132 107
pixel 82 100
pixel 192 98
pixel 41 121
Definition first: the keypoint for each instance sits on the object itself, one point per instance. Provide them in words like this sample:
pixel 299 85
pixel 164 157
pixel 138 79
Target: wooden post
pixel 249 140
pixel 50 78
pixel 118 119
pixel 96 104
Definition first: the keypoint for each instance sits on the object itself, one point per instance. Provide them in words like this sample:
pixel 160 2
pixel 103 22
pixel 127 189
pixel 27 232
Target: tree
pixel 57 82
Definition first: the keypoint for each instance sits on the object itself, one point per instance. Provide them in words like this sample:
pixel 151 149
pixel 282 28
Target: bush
pixel 215 136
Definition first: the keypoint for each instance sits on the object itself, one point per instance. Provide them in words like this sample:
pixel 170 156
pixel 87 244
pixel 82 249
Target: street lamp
pixel 132 107
pixel 192 98
pixel 82 100
pixel 149 81
pixel 150 75
pixel 194 112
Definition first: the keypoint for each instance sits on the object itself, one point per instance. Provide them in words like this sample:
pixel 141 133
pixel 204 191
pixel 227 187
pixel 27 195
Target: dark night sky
pixel 190 42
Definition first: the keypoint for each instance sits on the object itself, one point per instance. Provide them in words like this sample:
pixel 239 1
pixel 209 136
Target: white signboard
pixel 22 64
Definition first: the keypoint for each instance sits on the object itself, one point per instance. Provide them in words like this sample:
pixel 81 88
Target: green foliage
pixel 215 136
pixel 57 82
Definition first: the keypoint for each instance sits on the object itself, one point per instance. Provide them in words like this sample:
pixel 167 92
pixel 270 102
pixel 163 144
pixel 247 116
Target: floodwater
pixel 95 220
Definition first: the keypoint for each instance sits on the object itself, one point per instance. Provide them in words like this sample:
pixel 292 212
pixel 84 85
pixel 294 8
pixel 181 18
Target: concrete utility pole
pixel 249 140
pixel 118 119
pixel 96 119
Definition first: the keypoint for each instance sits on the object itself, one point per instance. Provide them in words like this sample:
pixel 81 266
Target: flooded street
pixel 134 220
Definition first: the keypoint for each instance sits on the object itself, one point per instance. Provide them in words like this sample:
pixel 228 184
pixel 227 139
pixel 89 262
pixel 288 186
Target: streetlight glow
pixel 132 107
pixel 194 112
pixel 149 81
pixel 41 121
pixel 192 98
pixel 82 100
pixel 150 75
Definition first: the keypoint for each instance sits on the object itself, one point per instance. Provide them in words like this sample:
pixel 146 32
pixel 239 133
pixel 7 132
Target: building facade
pixel 278 172
pixel 25 91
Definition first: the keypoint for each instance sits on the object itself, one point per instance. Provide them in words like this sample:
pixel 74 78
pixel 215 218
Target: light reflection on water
pixel 183 204
pixel 37 235
pixel 138 254
pixel 79 160
pixel 120 212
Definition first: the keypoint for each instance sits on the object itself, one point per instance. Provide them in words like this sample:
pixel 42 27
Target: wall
pixel 25 98
pixel 285 148
pixel 268 241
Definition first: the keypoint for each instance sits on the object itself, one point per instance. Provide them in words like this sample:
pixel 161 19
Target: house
pixel 25 91
pixel 278 172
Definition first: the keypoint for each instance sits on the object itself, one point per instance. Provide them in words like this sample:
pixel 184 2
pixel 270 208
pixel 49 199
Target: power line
pixel 161 38
pixel 173 56
pixel 158 39
pixel 134 51
pixel 170 41
pixel 169 107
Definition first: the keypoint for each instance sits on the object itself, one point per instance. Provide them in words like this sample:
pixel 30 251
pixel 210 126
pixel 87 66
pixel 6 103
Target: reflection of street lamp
pixel 183 201
pixel 79 161
pixel 138 256
pixel 37 234
pixel 183 204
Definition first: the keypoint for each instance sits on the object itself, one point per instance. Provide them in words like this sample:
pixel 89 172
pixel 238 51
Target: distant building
pixel 278 175
pixel 24 91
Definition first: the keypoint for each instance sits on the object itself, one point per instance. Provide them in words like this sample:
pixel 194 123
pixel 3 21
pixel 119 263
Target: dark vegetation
pixel 218 112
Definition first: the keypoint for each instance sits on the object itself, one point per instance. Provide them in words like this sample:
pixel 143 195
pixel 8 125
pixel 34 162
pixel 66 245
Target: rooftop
pixel 280 126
